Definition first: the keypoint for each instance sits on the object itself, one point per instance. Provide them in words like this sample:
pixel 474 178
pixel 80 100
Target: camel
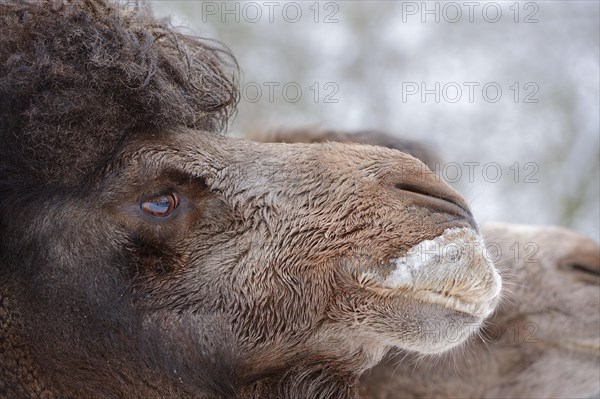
pixel 544 338
pixel 146 254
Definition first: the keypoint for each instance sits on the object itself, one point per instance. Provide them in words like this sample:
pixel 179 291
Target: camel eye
pixel 161 206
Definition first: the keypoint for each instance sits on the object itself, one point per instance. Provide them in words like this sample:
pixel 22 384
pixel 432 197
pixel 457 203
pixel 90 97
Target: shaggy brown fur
pixel 144 255
pixel 60 60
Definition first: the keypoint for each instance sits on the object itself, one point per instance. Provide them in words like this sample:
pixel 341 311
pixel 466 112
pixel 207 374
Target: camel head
pixel 145 252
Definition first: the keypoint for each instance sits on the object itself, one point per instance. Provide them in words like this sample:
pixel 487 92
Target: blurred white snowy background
pixel 353 65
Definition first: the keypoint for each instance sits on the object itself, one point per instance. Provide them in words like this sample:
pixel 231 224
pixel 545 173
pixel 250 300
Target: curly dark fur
pixel 78 77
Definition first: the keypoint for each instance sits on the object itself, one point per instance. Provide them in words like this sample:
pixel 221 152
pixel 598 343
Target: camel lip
pixel 480 310
pixel 451 270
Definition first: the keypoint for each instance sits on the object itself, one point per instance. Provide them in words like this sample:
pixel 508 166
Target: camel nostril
pixel 439 193
pixel 439 197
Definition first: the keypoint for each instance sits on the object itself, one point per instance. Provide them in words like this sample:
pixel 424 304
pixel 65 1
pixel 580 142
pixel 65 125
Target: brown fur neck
pixel 34 365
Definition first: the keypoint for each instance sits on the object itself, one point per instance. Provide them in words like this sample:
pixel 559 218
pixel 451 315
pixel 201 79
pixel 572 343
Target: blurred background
pixel 506 92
